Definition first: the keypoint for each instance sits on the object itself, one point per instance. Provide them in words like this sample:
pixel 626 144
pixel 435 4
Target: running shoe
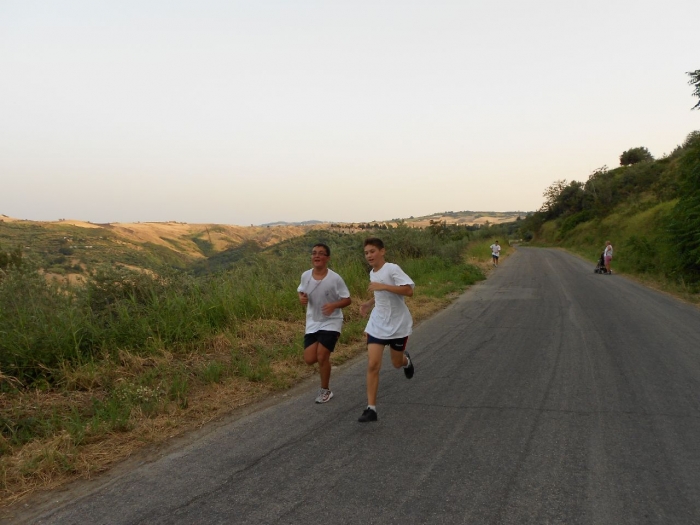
pixel 367 416
pixel 324 395
pixel 408 370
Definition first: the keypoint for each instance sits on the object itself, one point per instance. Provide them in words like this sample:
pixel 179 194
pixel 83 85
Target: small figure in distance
pixel 324 293
pixel 608 255
pixel 495 252
pixel 390 322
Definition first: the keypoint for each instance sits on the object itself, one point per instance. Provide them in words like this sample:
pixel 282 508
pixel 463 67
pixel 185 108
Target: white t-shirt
pixel 330 289
pixel 495 249
pixel 608 251
pixel 390 317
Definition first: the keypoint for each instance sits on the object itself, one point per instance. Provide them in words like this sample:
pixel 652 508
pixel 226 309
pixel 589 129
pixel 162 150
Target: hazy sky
pixel 247 112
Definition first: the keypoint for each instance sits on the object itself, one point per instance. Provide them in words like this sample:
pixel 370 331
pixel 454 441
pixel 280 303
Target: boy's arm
pixel 366 306
pixel 329 308
pixel 303 298
pixel 404 289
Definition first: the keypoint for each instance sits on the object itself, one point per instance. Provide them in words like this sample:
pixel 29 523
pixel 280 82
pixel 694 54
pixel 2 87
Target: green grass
pixel 60 338
pixel 45 326
pixel 640 238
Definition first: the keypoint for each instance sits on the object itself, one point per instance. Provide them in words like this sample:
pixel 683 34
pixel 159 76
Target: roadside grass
pixel 133 360
pixel 643 249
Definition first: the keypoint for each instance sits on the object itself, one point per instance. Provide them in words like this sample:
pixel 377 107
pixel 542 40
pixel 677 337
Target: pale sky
pixel 247 112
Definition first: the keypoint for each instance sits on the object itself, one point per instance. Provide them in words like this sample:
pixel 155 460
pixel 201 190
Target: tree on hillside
pixel 691 139
pixel 695 81
pixel 635 155
pixel 685 224
pixel 551 196
pixel 562 198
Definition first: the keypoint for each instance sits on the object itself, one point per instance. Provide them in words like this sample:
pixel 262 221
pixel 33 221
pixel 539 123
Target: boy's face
pixel 319 257
pixel 374 255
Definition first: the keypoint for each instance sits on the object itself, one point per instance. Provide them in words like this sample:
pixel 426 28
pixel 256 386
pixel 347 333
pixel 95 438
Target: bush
pixel 685 222
pixel 46 325
pixel 635 155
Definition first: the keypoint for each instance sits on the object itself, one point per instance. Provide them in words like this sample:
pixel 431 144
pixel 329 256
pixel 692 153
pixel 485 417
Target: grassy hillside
pixel 649 210
pixel 74 248
pixel 91 372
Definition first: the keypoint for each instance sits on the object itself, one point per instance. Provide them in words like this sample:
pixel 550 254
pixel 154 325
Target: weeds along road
pixel 547 394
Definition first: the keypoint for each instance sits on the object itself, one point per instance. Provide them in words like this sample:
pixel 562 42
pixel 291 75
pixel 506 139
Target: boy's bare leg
pixel 324 365
pixel 317 353
pixel 374 364
pixel 398 358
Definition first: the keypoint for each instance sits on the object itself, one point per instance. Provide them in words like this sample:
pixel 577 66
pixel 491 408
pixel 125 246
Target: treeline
pixel 640 183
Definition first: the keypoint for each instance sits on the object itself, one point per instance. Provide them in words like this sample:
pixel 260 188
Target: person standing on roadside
pixel 495 252
pixel 607 256
pixel 324 293
pixel 390 322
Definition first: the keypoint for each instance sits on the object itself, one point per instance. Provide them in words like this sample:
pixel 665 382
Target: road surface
pixel 546 394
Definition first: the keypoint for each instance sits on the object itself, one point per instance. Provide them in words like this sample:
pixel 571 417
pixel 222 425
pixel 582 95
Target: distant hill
pixel 302 223
pixel 467 218
pixel 71 247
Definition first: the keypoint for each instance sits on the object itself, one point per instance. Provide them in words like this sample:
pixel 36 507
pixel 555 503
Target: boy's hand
pixel 365 309
pixel 376 287
pixel 303 298
pixel 327 309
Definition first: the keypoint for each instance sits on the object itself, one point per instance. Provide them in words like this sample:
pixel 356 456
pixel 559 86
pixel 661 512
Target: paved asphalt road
pixel 547 394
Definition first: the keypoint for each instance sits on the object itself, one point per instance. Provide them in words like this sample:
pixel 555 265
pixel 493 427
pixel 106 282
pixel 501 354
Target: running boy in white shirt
pixel 495 252
pixel 390 322
pixel 324 293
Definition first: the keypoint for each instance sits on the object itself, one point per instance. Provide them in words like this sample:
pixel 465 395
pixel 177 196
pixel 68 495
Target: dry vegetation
pixel 51 463
pixel 169 393
pixel 179 235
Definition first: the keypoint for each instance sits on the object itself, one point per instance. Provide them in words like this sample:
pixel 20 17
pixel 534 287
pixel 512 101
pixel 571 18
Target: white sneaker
pixel 324 395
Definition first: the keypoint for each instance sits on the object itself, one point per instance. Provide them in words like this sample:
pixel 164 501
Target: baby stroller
pixel 600 267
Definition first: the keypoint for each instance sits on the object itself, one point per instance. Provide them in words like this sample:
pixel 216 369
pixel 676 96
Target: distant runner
pixel 495 252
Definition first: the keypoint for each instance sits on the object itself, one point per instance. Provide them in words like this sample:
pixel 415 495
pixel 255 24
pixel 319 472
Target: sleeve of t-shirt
pixel 341 288
pixel 301 286
pixel 400 277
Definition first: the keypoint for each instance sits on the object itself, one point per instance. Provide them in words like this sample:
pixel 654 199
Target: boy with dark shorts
pixel 495 252
pixel 390 322
pixel 323 292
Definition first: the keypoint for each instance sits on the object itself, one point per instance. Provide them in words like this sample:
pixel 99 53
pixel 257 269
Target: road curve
pixel 546 394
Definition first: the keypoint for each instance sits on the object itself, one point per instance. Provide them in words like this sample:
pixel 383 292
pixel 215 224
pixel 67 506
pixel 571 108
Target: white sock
pixel 373 407
pixel 409 362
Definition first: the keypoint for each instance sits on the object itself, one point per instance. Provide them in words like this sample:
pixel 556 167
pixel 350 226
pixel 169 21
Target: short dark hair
pixel 324 246
pixel 374 241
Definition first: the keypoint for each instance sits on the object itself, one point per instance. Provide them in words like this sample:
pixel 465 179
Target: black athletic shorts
pixel 398 344
pixel 326 337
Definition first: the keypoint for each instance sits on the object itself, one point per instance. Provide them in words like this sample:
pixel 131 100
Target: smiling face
pixel 374 256
pixel 319 257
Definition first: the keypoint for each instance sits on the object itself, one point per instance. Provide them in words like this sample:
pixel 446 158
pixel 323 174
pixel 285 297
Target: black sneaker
pixel 367 416
pixel 408 370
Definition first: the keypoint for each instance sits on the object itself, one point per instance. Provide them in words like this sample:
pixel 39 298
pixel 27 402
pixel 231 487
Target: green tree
pixel 635 155
pixel 685 223
pixel 550 207
pixel 695 81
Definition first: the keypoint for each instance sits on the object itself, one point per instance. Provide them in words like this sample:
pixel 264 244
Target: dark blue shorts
pixel 327 338
pixel 398 344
